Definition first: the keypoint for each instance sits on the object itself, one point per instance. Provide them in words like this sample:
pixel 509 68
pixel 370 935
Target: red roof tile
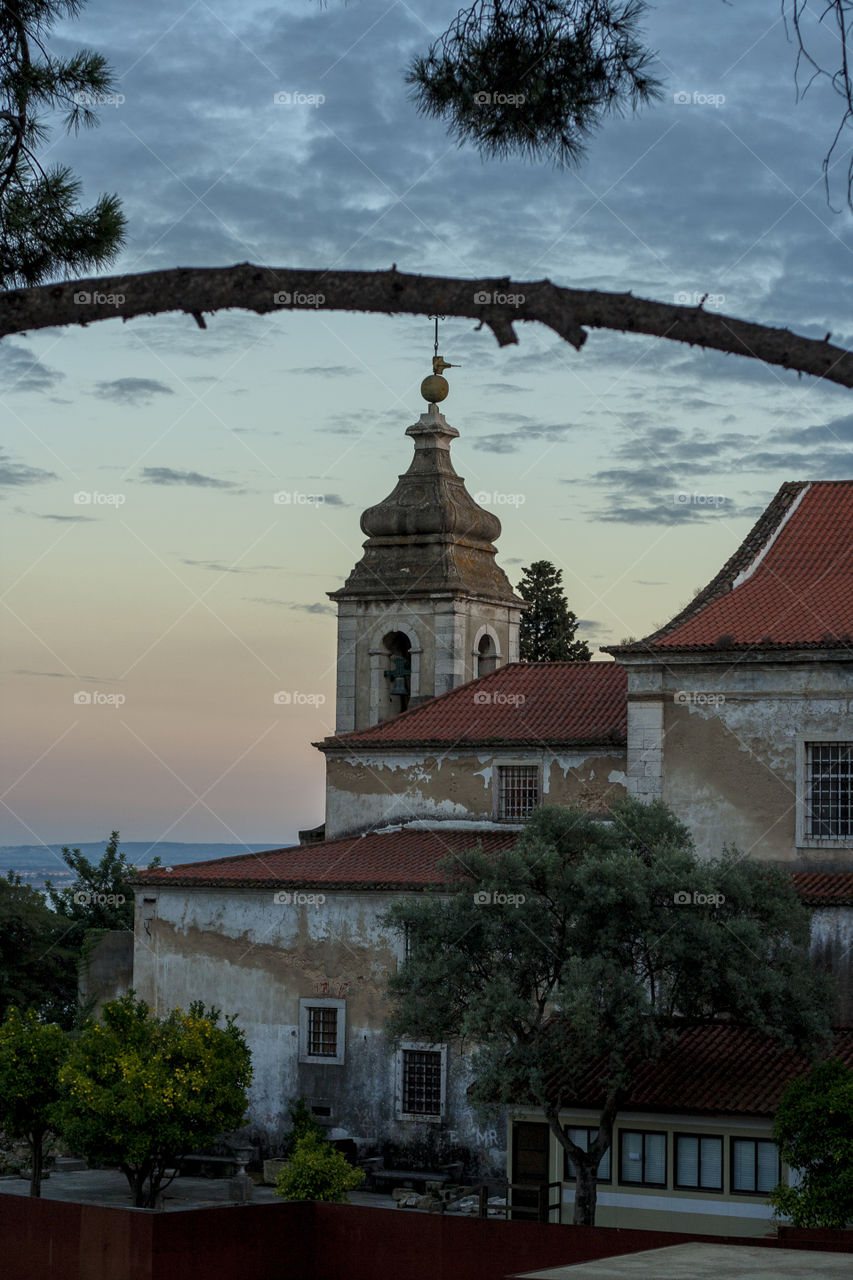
pixel 532 703
pixel 397 858
pixel 789 584
pixel 824 888
pixel 401 858
pixel 713 1068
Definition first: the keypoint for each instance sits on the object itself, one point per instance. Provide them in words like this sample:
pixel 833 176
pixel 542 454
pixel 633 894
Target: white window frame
pixel 515 764
pixel 321 1002
pixel 804 840
pixel 419 1046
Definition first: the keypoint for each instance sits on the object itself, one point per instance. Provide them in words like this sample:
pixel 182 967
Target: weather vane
pixel 435 387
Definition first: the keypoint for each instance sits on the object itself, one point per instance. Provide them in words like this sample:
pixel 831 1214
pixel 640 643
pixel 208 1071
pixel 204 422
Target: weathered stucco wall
pixel 254 957
pixel 721 741
pixel 369 789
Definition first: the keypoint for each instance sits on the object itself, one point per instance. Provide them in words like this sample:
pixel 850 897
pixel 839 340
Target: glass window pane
pixel 711 1167
pixel 743 1164
pixel 632 1156
pixel 655 1157
pixel 768 1166
pixel 687 1161
pixel 604 1167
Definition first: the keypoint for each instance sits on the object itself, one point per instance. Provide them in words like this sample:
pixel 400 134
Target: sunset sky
pixel 637 466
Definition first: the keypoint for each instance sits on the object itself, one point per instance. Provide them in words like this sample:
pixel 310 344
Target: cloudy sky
pixel 147 565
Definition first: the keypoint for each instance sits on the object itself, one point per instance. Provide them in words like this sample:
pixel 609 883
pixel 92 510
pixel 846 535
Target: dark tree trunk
pixel 37 1150
pixel 586 1195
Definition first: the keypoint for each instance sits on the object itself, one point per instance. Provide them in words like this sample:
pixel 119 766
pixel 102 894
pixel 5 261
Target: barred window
pixel 422 1082
pixel 518 791
pixel 829 805
pixel 322 1032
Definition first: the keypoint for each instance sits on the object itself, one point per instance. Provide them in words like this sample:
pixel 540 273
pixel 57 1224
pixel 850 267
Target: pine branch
pixel 568 312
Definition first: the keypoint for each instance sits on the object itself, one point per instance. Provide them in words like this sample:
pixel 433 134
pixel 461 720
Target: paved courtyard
pixel 708 1262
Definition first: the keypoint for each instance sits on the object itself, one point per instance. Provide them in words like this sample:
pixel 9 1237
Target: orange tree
pixel 141 1092
pixel 31 1054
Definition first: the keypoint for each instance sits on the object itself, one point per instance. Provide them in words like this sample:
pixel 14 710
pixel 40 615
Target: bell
pixel 399 688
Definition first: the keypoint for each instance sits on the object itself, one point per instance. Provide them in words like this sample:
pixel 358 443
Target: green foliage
pixel 316 1171
pixel 548 626
pixel 814 1133
pixel 303 1120
pixel 31 1054
pixel 535 77
pixel 38 966
pixel 586 942
pixel 100 896
pixel 43 232
pixel 141 1091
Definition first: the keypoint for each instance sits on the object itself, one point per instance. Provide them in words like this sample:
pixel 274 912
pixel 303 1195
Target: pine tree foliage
pixel 548 626
pixel 44 233
pixel 535 77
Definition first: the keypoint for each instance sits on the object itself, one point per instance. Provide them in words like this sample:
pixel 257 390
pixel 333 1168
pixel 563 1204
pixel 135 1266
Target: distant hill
pixel 36 863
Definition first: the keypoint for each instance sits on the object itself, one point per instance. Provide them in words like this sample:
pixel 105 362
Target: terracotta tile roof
pixel 531 703
pixel 824 888
pixel 404 857
pixel 789 585
pixel 396 858
pixel 717 1068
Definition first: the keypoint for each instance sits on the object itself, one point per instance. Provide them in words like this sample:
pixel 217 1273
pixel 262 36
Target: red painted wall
pixel 55 1240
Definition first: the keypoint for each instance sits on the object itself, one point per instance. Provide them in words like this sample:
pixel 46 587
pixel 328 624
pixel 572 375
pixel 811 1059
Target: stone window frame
pixel 322 1002
pixel 419 1117
pixel 378 658
pixel 486 631
pixel 520 763
pixel 803 840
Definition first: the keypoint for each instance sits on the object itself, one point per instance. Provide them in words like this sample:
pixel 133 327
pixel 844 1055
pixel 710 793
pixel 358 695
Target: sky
pixel 157 597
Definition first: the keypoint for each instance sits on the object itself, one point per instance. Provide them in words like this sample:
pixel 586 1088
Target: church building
pixel 738 714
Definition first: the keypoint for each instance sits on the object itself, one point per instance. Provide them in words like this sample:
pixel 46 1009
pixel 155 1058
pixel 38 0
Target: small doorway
pixel 531 1145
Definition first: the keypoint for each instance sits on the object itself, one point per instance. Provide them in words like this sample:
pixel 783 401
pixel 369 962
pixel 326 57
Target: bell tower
pixel 427 607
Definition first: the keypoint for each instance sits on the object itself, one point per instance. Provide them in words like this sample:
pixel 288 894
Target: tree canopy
pixel 31 1054
pixel 141 1091
pixel 43 231
pixel 548 626
pixel 38 962
pixel 813 1130
pixel 589 943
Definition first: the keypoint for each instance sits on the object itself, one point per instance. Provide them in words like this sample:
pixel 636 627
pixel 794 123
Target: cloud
pixel 325 371
pixel 167 475
pixel 15 474
pixel 514 441
pixel 20 370
pixel 66 519
pixel 132 391
pixel 293 605
pixel 216 566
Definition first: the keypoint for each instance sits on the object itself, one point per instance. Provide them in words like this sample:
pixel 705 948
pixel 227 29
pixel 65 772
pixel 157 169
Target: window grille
pixel 519 791
pixel 322 1032
pixel 829 811
pixel 422 1082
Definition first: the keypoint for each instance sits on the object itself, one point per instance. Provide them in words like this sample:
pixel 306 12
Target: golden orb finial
pixel 435 387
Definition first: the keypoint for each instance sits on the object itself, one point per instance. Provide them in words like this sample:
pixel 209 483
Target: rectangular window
pixel 518 793
pixel 642 1158
pixel 755 1165
pixel 322 1031
pixel 422 1080
pixel 829 790
pixel 699 1161
pixel 582 1138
